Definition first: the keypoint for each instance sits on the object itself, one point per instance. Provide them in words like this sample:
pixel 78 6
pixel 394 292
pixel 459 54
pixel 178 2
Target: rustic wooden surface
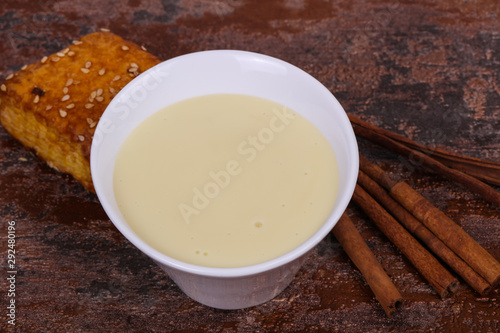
pixel 427 69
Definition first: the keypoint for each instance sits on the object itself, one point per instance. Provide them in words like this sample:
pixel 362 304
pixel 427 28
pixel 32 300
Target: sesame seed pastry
pixel 53 105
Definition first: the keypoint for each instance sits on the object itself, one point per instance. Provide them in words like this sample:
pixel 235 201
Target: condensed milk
pixel 225 180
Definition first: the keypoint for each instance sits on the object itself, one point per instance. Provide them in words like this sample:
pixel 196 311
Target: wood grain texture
pixel 427 70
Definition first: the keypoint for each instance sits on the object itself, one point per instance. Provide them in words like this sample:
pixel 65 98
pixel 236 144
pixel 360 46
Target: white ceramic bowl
pixel 224 71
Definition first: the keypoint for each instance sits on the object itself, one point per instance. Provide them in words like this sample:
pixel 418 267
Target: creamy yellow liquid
pixel 225 180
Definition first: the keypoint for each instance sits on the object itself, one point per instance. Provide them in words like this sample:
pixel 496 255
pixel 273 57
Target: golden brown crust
pixel 53 106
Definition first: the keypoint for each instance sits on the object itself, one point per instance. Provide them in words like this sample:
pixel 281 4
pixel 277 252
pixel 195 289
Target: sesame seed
pixel 10 76
pixel 71 53
pixel 85 70
pixel 92 125
pixel 81 138
pixel 44 59
pixel 36 99
pixel 55 59
pixel 102 71
pixel 77 42
pixel 125 48
pixel 70 106
pixel 104 29
pixel 92 95
pixel 89 105
pixel 3 87
pixel 89 121
pixel 48 107
pixel 134 65
pixel 143 47
pixel 60 54
pixel 23 159
pixel 69 82
pixel 88 64
pixel 65 98
pixel 99 98
pixel 65 90
pixel 24 67
pixel 112 90
pixel 116 78
pixel 99 92
pixel 66 50
pixel 63 113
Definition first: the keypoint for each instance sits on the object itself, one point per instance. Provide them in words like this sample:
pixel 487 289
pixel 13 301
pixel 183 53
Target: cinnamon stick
pixel 436 221
pixel 416 228
pixel 439 278
pixel 474 184
pixel 353 244
pixel 487 171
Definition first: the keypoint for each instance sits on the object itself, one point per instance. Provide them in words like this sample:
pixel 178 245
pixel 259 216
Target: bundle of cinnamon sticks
pixel 423 233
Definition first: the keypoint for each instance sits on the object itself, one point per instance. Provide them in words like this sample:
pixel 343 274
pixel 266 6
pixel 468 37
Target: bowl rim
pixel 231 272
